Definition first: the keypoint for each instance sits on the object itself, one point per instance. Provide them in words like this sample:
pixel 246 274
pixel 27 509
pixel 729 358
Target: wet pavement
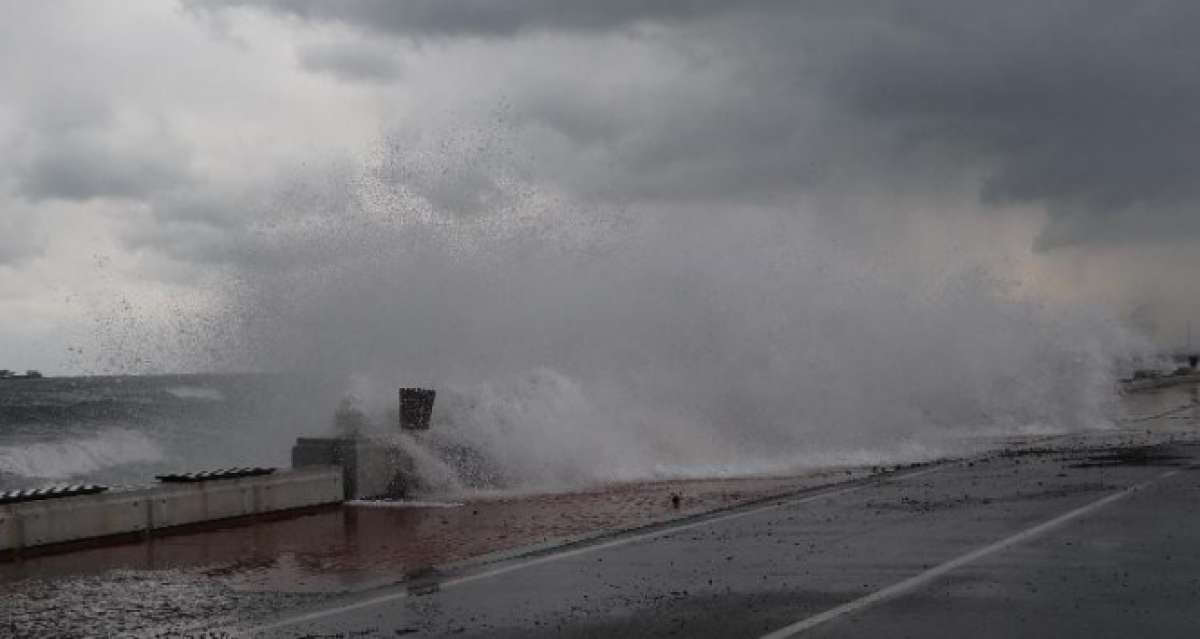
pixel 1089 535
pixel 234 571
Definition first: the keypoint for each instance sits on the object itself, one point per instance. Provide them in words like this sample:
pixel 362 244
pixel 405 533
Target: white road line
pixel 575 552
pixel 924 578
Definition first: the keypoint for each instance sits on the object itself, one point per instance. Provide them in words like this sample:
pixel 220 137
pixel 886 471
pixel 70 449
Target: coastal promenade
pixel 1090 535
pixel 1094 542
pixel 1094 527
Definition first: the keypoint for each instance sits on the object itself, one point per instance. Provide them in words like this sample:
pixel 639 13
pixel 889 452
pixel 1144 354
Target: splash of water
pixel 573 344
pixel 72 457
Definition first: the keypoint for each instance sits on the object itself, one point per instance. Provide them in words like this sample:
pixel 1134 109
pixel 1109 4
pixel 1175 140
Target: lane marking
pixel 586 549
pixel 917 581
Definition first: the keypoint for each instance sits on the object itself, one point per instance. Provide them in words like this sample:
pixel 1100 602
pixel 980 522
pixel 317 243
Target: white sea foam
pixel 196 392
pixel 67 458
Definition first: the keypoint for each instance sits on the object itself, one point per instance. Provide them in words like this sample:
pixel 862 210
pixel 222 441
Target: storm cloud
pixel 1090 110
pixel 80 170
pixel 351 62
pixel 73 147
pixel 488 19
pixel 172 141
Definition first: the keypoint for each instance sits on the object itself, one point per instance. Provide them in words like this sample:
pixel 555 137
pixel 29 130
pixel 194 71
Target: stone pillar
pixel 416 407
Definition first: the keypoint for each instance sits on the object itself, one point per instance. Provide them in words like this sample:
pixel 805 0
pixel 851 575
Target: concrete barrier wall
pixel 52 521
pixel 69 518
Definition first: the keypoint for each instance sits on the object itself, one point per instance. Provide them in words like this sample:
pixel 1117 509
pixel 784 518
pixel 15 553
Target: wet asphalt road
pixel 1039 543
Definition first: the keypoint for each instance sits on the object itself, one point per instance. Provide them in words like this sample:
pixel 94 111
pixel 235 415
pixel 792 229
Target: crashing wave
pixel 78 456
pixel 196 392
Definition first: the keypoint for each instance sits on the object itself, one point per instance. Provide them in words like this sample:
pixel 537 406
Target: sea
pixel 542 433
pixel 122 430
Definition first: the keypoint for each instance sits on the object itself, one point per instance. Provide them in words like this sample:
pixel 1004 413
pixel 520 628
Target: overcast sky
pixel 153 149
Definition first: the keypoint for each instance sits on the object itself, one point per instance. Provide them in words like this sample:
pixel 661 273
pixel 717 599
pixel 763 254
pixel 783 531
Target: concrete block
pixel 318 451
pixel 183 504
pixel 69 518
pixel 203 501
pixel 51 521
pixel 370 468
pixel 311 486
pixel 10 532
pixel 381 469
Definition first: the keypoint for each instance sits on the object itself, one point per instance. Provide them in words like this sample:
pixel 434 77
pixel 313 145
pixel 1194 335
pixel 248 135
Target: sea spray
pixel 79 456
pixel 573 344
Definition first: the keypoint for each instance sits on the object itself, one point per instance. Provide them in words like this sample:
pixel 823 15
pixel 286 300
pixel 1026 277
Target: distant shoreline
pixel 29 374
pixel 138 375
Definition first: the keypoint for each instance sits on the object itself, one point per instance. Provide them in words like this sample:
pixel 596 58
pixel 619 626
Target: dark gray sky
pixel 149 145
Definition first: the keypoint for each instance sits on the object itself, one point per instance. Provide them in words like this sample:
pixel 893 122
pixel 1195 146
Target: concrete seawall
pixel 52 521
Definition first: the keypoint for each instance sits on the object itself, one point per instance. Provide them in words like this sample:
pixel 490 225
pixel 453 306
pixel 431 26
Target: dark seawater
pixel 123 430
